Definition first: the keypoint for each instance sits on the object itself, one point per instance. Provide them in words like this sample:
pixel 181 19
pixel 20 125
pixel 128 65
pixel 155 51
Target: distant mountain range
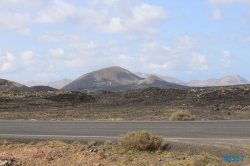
pixel 56 84
pixel 11 85
pixel 225 81
pixel 118 79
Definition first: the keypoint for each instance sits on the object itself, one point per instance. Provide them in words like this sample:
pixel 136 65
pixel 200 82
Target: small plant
pixel 92 143
pixel 88 92
pixel 181 116
pixel 142 141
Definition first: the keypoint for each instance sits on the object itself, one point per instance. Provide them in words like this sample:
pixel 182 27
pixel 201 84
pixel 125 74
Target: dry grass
pixel 181 116
pixel 134 148
pixel 142 141
pixel 205 159
pixel 58 153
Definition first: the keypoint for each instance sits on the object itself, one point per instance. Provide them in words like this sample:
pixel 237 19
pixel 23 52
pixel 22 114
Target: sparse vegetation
pixel 134 148
pixel 205 159
pixel 181 116
pixel 92 143
pixel 142 141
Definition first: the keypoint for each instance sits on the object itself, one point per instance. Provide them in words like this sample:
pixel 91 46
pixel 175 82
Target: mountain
pixel 155 81
pixel 59 84
pixel 56 84
pixel 11 85
pixel 165 78
pixel 114 79
pixel 225 81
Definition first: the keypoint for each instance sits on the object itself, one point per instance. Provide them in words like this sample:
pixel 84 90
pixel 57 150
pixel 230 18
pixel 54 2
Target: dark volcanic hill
pixel 11 85
pixel 43 88
pixel 115 79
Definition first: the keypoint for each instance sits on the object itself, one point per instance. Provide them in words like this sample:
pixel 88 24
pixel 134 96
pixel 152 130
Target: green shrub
pixel 142 141
pixel 181 116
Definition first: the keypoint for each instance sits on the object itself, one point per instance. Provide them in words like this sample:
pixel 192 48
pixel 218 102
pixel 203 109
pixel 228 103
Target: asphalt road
pixel 99 131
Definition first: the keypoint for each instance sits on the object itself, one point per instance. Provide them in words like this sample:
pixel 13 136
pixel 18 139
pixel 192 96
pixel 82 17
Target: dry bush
pixel 205 159
pixel 142 141
pixel 181 116
pixel 92 143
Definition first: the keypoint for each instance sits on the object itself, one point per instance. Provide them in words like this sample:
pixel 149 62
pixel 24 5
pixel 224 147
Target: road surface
pixel 100 131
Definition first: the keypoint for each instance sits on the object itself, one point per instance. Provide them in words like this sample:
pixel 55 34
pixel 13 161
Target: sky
pixel 49 40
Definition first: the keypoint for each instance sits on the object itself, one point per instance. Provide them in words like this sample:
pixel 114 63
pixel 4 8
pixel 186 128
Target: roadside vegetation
pixel 134 148
pixel 142 141
pixel 181 116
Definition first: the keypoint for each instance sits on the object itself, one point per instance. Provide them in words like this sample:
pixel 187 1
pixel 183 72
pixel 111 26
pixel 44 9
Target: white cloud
pixel 30 60
pixel 140 18
pixel 246 40
pixel 164 66
pixel 7 61
pixel 186 43
pixel 10 20
pixel 62 12
pixel 179 56
pixel 198 61
pixel 10 57
pixel 145 14
pixel 46 76
pixel 225 62
pixel 229 2
pixel 226 54
pixel 59 52
pixel 59 36
pixel 114 26
pixel 217 15
pixel 26 32
pixel 245 18
pixel 226 59
pixel 21 3
pixel 84 49
pixel 27 55
pixel 7 67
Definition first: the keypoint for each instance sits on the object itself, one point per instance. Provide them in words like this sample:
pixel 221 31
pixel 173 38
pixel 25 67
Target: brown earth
pixel 57 153
pixel 141 104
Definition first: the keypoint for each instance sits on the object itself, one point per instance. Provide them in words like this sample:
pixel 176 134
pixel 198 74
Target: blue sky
pixel 48 40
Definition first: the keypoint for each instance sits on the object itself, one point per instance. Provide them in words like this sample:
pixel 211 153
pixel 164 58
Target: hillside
pixel 115 79
pixel 155 81
pixel 112 78
pixel 43 88
pixel 165 78
pixel 11 85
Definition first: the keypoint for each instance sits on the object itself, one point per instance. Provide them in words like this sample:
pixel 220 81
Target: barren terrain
pixel 222 103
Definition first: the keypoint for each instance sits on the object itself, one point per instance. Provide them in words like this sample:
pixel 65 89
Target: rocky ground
pixel 220 103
